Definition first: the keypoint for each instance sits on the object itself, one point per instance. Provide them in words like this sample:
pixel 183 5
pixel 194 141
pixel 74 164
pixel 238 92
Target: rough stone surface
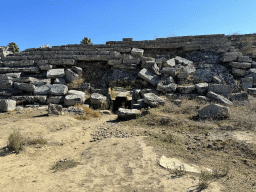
pixel 186 89
pixel 42 89
pixel 58 89
pixel 30 99
pixel 201 88
pixel 25 86
pixel 239 72
pixel 214 111
pixel 219 98
pixel 54 109
pixel 252 91
pixel 71 100
pixel 166 88
pixel 126 114
pixel 220 89
pixel 71 76
pixel 59 81
pixel 247 83
pixel 153 100
pixel 97 99
pixel 137 52
pixel 55 73
pixel 7 105
pixel 239 97
pixel 169 63
pixel 149 77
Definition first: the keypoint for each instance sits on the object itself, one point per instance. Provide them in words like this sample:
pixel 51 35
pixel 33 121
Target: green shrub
pixel 85 40
pixel 13 47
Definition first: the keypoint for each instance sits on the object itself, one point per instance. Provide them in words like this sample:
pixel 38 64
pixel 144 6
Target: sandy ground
pixel 108 165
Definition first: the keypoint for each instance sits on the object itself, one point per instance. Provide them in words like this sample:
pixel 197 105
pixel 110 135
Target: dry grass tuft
pixel 14 141
pixel 64 164
pixel 34 141
pixel 89 113
pixel 205 178
pixel 186 107
pixel 76 82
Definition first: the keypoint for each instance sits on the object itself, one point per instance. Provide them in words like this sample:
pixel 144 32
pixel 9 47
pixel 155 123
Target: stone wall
pixel 156 64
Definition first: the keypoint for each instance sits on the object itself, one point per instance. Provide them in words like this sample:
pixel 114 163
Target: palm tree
pixel 85 40
pixel 13 47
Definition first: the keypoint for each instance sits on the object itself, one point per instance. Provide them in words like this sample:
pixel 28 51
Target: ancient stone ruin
pixel 207 67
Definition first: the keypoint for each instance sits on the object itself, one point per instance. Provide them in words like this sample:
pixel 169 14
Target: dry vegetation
pixel 207 142
pixel 89 113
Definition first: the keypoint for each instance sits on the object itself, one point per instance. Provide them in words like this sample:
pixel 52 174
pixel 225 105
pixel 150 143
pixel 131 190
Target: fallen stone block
pixel 221 89
pixel 54 109
pixel 71 76
pixel 168 70
pixel 219 98
pixel 252 91
pixel 186 89
pixel 149 77
pixel 214 111
pixel 244 59
pixel 203 99
pixel 42 89
pixel 247 83
pixel 153 100
pixel 127 114
pixel 166 88
pixel 97 99
pixel 29 99
pixel 231 56
pixel 58 89
pixel 239 72
pixel 239 97
pixel 55 99
pixel 240 65
pixel 7 105
pixel 4 83
pixel 201 88
pixel 78 70
pixel 45 67
pixel 183 74
pixel 182 61
pixel 169 63
pixel 71 100
pixel 137 52
pixel 55 73
pixel 25 87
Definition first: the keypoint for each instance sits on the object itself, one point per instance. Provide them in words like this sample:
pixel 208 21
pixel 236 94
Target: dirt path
pixel 113 164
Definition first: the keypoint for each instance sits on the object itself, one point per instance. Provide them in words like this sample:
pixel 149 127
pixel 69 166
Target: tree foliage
pixel 13 47
pixel 85 40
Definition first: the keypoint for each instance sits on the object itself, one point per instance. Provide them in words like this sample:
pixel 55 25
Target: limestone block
pixel 25 86
pixel 203 74
pixel 203 99
pixel 137 52
pixel 148 64
pixel 71 100
pixel 169 70
pixel 153 100
pixel 252 91
pixel 5 83
pixel 80 93
pixel 18 63
pixel 186 89
pixel 59 81
pixel 247 83
pixel 169 63
pixel 214 111
pixel 45 67
pixel 10 75
pixel 41 62
pixel 136 94
pixel 244 59
pixel 180 60
pixel 97 99
pixel 231 56
pixel 129 61
pixel 55 62
pixel 155 69
pixel 241 65
pixel 7 105
pixel 167 80
pixel 115 61
pixel 126 114
pixel 166 88
pixel 54 109
pixel 239 97
pixel 30 99
pixel 221 89
pixel 19 69
pixel 239 72
pixel 68 61
pixel 55 73
pixel 149 76
pixel 219 98
pixel 58 89
pixel 183 74
pixel 55 99
pixel 40 81
pixel 202 88
pixel 71 76
pixel 42 89
pixel 78 70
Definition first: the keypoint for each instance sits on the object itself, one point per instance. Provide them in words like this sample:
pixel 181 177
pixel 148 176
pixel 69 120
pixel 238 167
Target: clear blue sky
pixel 32 23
